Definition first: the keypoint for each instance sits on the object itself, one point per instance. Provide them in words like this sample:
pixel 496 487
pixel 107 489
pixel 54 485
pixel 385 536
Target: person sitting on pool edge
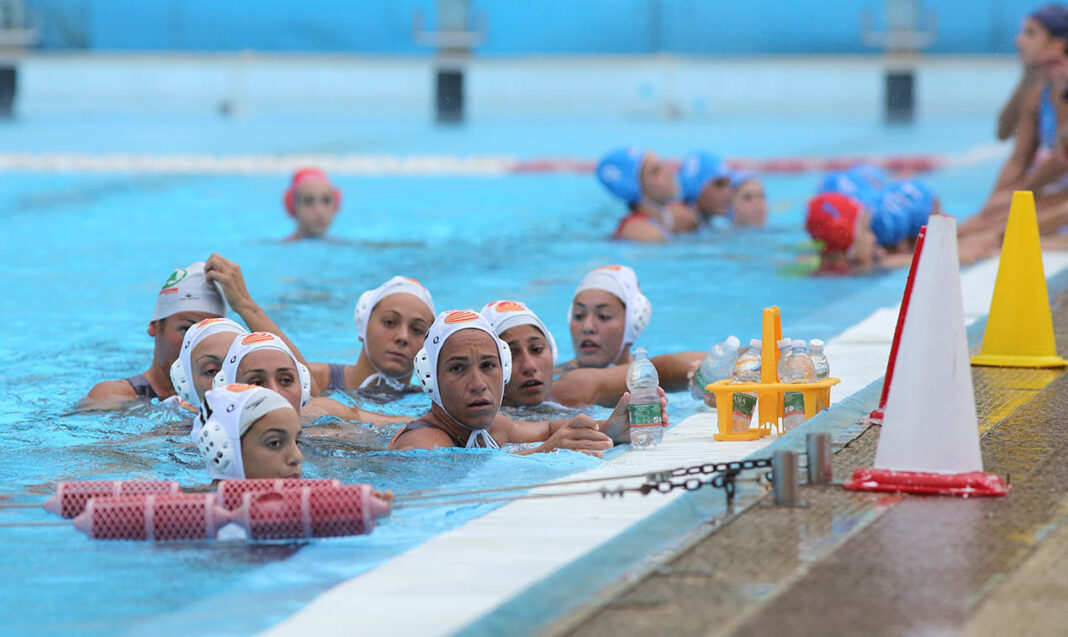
pixel 392 321
pixel 187 297
pixel 647 184
pixel 261 358
pixel 465 367
pixel 608 314
pixel 313 203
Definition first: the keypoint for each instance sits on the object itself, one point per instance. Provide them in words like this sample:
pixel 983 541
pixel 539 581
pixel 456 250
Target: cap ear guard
pixel 506 361
pixel 180 383
pixel 641 312
pixel 305 384
pixel 219 380
pixel 215 448
pixel 424 374
pixel 362 313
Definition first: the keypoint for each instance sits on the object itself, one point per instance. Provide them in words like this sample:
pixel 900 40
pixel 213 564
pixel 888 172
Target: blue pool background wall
pixel 514 27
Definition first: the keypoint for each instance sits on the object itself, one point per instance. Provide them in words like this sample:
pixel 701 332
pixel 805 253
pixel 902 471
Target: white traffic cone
pixel 929 442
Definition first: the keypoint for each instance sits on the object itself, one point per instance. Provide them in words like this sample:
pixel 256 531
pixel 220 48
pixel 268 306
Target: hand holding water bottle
pixel 617 426
pixel 644 410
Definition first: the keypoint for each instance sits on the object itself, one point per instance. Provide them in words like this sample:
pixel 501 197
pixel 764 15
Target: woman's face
pixel 865 245
pixel 314 205
pixel 657 179
pixel 1032 39
pixel 206 360
pixel 273 369
pixel 532 366
pixel 715 197
pixel 598 320
pixel 271 446
pixel 470 378
pixel 750 206
pixel 396 330
pixel 169 333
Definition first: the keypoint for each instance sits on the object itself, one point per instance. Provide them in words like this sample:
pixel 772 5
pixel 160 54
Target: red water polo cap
pixel 301 176
pixel 832 219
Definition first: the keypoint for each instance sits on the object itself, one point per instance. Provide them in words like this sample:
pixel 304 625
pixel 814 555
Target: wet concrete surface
pixel 853 563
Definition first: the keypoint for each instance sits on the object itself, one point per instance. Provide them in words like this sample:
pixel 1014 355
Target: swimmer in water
pixel 465 368
pixel 264 359
pixel 748 205
pixel 392 321
pixel 842 226
pixel 533 350
pixel 187 297
pixel 313 203
pixel 608 314
pixel 200 359
pixel 245 432
pixel 647 184
pixel 706 185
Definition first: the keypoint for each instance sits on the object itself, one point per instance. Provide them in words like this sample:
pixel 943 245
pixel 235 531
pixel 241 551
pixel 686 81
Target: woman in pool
pixel 465 367
pixel 533 351
pixel 748 205
pixel 246 432
pixel 264 359
pixel 313 203
pixel 608 314
pixel 187 297
pixel 392 321
pixel 647 184
pixel 706 185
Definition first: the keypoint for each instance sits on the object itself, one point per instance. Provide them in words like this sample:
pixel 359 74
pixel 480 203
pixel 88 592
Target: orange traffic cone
pixel 929 441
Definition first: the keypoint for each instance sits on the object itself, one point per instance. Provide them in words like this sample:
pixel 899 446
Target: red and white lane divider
pixel 443 165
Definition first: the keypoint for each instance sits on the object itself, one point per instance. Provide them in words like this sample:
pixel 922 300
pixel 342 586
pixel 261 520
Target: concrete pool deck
pixel 853 563
pixel 581 555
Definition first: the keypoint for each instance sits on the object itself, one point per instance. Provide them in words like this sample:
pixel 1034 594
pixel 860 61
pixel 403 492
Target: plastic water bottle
pixel 644 410
pixel 717 365
pixel 799 369
pixel 820 364
pixel 784 345
pixel 746 370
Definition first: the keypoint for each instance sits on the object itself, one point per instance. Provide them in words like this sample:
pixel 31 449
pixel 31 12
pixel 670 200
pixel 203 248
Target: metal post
pixel 818 451
pixel 784 478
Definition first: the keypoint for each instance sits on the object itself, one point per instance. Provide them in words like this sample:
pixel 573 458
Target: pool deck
pixel 852 563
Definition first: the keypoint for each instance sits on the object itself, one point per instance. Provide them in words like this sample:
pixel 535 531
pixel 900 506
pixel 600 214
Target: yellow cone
pixel 1019 329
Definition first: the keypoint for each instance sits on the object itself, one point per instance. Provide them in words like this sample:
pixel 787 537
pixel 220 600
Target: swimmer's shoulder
pixel 112 389
pixel 640 227
pixel 420 435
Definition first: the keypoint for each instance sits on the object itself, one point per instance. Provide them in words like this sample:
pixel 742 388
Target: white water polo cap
pixel 504 315
pixel 253 342
pixel 444 326
pixel 227 413
pixel 620 281
pixel 397 285
pixel 182 369
pixel 188 290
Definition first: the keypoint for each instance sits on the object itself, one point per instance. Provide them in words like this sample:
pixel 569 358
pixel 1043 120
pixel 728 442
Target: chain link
pixel 724 476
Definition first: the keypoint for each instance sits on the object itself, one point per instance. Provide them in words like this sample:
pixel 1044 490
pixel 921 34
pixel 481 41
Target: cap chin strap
pixel 488 441
pixel 662 214
pixel 380 378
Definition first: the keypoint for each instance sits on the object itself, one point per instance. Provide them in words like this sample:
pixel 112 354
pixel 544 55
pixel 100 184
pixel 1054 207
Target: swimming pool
pixel 84 255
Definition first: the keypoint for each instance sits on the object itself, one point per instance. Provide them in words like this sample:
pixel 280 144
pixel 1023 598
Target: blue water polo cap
pixel 620 170
pixel 913 199
pixel 889 225
pixel 698 168
pixel 850 183
pixel 1054 17
pixel 870 175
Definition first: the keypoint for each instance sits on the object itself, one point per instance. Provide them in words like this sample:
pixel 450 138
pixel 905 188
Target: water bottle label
pixel 645 415
pixel 700 381
pixel 744 404
pixel 793 404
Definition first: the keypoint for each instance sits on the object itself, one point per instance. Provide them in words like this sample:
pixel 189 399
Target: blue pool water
pixel 84 256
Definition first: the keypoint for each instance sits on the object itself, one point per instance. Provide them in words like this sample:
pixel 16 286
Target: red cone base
pixel 876 416
pixel 976 483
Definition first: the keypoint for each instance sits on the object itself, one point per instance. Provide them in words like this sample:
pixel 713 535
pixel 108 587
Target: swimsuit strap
pixel 422 424
pixel 142 387
pixel 337 377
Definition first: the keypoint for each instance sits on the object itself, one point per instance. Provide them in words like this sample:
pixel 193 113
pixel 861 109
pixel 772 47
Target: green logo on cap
pixel 175 278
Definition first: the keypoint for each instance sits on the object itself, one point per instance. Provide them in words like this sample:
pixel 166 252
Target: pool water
pixel 84 256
